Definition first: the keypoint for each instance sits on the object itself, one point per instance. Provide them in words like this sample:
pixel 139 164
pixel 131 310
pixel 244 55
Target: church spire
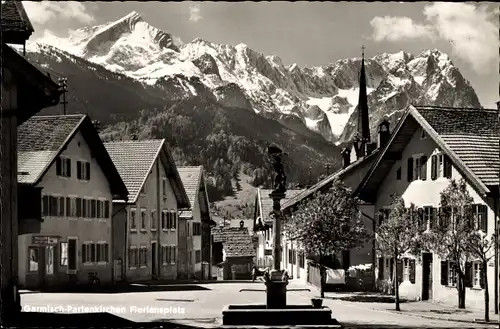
pixel 363 118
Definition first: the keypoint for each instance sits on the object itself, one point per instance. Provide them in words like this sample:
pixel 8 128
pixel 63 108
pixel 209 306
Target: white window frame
pixel 164 220
pixel 133 228
pixel 101 205
pixel 173 220
pixel 476 275
pixel 77 260
pixel 73 213
pixel 452 275
pixel 88 252
pixel 134 249
pixel 85 175
pixel 144 219
pixel 164 254
pixel 406 269
pixel 101 245
pixel 440 165
pixel 88 211
pixel 153 220
pixel 417 166
pixel 61 253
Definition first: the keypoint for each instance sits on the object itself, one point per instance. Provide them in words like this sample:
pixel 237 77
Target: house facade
pixel 65 158
pixel 25 91
pixel 146 238
pixel 428 148
pixel 197 223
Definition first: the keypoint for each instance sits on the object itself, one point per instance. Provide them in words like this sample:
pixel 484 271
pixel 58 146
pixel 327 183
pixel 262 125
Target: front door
pixel 427 276
pixel 154 256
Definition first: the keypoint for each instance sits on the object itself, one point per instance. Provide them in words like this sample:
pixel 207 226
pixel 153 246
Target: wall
pixel 427 193
pixel 93 230
pixel 149 201
pixel 119 233
pixel 196 239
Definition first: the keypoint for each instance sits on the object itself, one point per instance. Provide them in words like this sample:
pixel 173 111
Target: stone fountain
pixel 276 312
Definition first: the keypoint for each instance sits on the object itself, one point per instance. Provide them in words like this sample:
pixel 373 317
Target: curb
pixel 474 321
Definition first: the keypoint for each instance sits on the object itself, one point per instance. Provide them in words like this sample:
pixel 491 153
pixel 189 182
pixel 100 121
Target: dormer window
pixel 83 170
pixel 63 167
pixel 423 134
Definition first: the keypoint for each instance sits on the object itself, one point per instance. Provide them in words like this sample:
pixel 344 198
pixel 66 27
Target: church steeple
pixel 363 118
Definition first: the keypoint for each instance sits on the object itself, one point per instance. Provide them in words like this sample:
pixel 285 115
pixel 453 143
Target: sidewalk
pixel 436 311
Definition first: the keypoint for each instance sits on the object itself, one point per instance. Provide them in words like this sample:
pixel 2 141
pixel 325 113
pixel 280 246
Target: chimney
pixel 359 147
pixel 383 133
pixel 346 155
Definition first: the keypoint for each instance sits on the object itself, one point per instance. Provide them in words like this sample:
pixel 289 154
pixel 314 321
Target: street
pixel 201 305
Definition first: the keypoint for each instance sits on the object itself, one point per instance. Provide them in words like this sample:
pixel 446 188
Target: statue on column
pixel 276 157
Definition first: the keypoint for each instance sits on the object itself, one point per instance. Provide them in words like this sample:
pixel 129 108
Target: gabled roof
pixel 135 159
pixel 469 137
pixel 41 139
pixel 194 183
pixel 326 183
pixel 264 203
pixel 237 242
pixel 14 17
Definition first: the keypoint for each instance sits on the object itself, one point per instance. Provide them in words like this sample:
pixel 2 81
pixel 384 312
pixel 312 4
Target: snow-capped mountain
pixel 323 98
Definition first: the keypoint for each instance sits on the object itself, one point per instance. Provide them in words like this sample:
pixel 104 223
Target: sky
pixel 310 33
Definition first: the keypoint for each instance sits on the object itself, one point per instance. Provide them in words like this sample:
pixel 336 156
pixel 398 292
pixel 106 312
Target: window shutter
pixel 468 274
pixel 106 252
pixel 410 170
pixel 46 205
pixel 444 273
pixel 61 206
pixel 78 207
pixel 84 253
pixel 482 274
pixel 87 170
pixel 432 218
pixel 68 167
pixel 175 221
pixel 399 270
pixel 93 252
pixel 79 169
pixel 483 217
pixel 106 209
pixel 93 205
pixel 423 167
pixel 434 167
pixel 68 207
pixel 58 166
pixel 447 166
pixel 412 271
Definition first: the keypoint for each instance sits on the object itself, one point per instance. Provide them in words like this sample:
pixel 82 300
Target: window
pixel 398 174
pixel 169 254
pixel 168 220
pixel 406 269
pixel 63 167
pixel 143 218
pixel 164 187
pixel 83 170
pixel 72 254
pixel 429 214
pixel 196 229
pixel 100 209
pixel 480 217
pixel 79 207
pixel 49 261
pixel 102 252
pixel 173 220
pixel 84 208
pixel 153 220
pixel 88 253
pixel 448 274
pixel 53 206
pixel 197 256
pixel 133 219
pixel 107 209
pixel 423 134
pixel 143 256
pixel 133 257
pixel 93 208
pixel 419 167
pixel 72 205
pixel 476 275
pixel 64 254
pixel 33 259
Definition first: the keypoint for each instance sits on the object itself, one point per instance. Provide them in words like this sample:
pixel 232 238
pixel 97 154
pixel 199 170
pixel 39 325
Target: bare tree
pixel 399 236
pixel 327 224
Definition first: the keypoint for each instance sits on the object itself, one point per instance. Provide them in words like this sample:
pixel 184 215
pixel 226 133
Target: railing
pixel 11 23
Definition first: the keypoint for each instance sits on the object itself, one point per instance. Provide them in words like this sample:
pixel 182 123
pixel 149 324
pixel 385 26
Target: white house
pixel 65 157
pixel 146 231
pixel 427 148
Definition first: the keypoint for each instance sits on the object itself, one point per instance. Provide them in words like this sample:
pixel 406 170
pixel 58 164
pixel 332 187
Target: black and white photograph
pixel 211 164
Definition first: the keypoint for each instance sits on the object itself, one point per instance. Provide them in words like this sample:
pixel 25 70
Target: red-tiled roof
pixel 473 134
pixel 42 138
pixel 237 242
pixel 134 160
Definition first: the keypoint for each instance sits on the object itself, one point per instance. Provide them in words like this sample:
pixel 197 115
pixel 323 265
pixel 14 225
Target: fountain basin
pixel 260 315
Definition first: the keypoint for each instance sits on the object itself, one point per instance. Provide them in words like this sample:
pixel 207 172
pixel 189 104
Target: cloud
pixel 398 28
pixel 471 30
pixel 194 13
pixel 177 41
pixel 45 11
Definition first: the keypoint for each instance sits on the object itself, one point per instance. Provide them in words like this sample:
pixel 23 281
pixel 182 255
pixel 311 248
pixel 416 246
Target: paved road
pixel 203 307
